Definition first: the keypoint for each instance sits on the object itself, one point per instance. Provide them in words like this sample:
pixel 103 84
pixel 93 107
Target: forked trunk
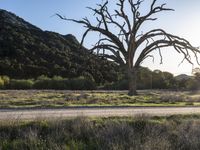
pixel 132 81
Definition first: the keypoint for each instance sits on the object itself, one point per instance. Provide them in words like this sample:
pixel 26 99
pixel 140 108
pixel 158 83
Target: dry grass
pixel 140 133
pixel 51 98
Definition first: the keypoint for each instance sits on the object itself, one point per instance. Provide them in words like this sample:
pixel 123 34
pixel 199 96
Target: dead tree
pixel 122 47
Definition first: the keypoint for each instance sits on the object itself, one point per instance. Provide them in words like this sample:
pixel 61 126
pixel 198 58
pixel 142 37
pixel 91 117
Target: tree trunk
pixel 132 79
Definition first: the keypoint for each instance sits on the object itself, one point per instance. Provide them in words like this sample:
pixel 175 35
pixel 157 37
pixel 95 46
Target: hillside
pixel 26 51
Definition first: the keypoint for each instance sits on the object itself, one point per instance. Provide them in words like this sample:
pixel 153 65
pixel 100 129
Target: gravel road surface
pixel 32 114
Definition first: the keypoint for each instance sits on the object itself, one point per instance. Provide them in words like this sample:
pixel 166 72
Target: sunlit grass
pixel 51 98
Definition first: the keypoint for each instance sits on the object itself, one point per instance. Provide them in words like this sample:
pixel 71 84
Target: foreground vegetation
pixel 44 82
pixel 140 133
pixel 56 98
pixel 147 79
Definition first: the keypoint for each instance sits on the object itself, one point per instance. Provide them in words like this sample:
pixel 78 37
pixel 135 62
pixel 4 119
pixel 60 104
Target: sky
pixel 184 22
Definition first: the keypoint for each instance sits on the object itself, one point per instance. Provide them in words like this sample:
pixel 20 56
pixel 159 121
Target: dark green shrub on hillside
pixel 43 77
pixel 88 76
pixel 82 83
pixel 120 85
pixel 42 82
pixel 59 83
pixel 21 84
pixel 56 83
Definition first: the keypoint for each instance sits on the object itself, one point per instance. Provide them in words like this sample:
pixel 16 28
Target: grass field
pixel 53 99
pixel 113 133
pixel 139 133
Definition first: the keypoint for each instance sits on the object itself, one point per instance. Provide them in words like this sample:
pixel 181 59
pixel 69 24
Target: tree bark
pixel 132 79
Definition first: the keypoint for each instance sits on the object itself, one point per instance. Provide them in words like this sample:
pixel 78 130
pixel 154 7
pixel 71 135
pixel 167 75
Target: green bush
pixel 60 84
pixel 6 79
pixel 1 83
pixel 120 85
pixel 21 84
pixel 82 83
pixel 43 77
pixel 192 84
pixel 56 83
pixel 4 82
pixel 88 76
pixel 57 78
pixel 42 84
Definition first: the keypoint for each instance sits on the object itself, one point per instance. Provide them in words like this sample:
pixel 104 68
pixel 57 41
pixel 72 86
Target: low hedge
pixel 21 84
pixel 55 83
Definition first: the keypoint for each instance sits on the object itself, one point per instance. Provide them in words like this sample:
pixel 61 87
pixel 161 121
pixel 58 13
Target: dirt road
pixel 31 114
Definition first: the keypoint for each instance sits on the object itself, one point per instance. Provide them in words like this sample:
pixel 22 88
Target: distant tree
pixel 169 80
pixel 194 83
pixel 144 78
pixel 157 80
pixel 196 80
pixel 122 44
